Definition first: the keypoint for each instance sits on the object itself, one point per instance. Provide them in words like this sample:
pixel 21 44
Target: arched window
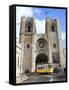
pixel 53 28
pixel 29 28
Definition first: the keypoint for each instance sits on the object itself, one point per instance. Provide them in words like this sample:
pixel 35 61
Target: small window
pixel 42 67
pixel 54 45
pixel 28 45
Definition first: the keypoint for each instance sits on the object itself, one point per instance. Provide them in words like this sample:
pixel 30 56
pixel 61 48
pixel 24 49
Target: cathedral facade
pixel 40 48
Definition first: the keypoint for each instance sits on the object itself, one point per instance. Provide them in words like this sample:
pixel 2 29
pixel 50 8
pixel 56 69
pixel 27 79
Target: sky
pixel 40 15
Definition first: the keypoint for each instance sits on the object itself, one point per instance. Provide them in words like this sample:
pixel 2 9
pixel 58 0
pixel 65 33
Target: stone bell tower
pixel 27 30
pixel 52 31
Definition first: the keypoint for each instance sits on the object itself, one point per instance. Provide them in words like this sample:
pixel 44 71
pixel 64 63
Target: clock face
pixel 41 44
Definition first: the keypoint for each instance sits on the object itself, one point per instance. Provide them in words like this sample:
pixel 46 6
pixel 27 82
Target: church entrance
pixel 41 59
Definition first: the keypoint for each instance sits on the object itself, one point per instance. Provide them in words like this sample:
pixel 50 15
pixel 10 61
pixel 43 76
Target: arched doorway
pixel 41 59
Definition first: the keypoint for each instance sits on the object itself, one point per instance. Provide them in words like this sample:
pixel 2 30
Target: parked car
pixel 58 70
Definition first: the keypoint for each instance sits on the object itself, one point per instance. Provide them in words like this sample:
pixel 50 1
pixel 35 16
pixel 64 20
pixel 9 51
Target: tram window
pixel 46 66
pixel 50 66
pixel 41 67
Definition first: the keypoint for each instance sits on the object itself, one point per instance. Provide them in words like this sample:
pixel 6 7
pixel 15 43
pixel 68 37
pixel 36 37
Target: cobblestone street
pixel 44 78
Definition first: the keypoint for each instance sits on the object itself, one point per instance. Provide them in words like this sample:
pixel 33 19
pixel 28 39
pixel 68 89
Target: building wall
pixel 50 37
pixel 36 50
pixel 18 59
pixel 64 58
pixel 26 37
pixel 53 34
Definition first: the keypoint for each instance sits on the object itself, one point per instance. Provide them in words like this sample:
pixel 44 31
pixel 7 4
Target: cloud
pixel 63 39
pixel 40 26
pixel 63 35
pixel 23 11
pixel 28 12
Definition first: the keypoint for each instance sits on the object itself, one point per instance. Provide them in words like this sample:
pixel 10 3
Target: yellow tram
pixel 44 68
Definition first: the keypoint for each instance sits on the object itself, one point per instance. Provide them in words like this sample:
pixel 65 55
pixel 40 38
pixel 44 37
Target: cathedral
pixel 40 48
